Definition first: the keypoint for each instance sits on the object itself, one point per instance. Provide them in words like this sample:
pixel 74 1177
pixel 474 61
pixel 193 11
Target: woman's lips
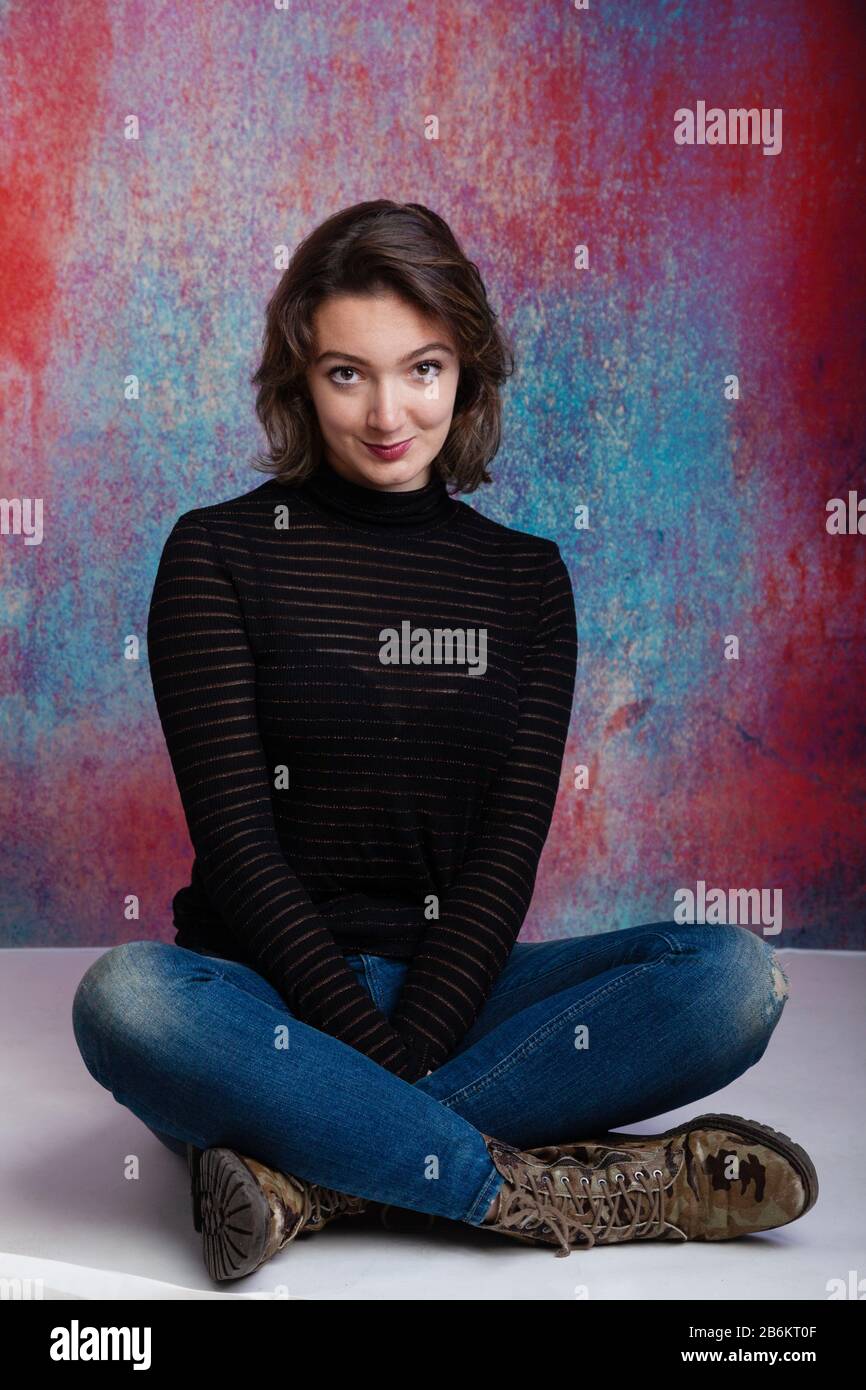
pixel 393 451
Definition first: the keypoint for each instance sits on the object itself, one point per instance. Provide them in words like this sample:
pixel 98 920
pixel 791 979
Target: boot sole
pixel 750 1130
pixel 231 1212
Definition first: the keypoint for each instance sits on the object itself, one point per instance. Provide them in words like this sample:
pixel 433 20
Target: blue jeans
pixel 577 1036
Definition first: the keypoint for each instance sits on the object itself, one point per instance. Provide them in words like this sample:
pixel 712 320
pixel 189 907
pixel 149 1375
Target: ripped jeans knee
pixel 781 983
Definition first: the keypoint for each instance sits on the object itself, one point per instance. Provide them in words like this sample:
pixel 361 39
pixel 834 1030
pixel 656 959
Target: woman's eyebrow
pixel 350 356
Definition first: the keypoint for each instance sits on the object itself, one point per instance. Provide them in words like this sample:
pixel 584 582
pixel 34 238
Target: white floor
pixel 68 1220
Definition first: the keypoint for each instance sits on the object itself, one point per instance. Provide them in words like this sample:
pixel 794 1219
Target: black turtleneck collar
pixel 358 505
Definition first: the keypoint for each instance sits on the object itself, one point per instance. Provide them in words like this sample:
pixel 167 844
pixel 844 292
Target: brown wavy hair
pixel 365 249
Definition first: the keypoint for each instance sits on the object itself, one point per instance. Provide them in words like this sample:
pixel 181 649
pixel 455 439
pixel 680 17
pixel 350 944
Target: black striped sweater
pixel 365 697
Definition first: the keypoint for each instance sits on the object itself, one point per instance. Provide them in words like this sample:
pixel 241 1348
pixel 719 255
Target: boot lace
pixel 322 1204
pixel 531 1204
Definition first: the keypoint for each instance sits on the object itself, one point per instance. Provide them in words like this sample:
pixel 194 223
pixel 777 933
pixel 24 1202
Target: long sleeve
pixel 483 910
pixel 204 683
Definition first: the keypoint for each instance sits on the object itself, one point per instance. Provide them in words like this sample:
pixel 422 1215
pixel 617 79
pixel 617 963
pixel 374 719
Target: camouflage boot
pixel 246 1211
pixel 714 1178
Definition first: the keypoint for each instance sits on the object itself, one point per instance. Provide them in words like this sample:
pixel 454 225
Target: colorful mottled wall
pixel 695 379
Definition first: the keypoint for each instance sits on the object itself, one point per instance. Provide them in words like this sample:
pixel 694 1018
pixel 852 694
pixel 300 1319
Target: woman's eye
pixel 331 376
pixel 427 375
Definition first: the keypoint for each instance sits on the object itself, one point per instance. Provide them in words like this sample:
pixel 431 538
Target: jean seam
pixel 673 943
pixel 210 956
pixel 676 944
pixel 370 978
pixel 533 980
pixel 529 1045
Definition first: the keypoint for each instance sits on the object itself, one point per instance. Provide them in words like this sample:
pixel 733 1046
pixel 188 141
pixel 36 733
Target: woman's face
pixel 382 373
